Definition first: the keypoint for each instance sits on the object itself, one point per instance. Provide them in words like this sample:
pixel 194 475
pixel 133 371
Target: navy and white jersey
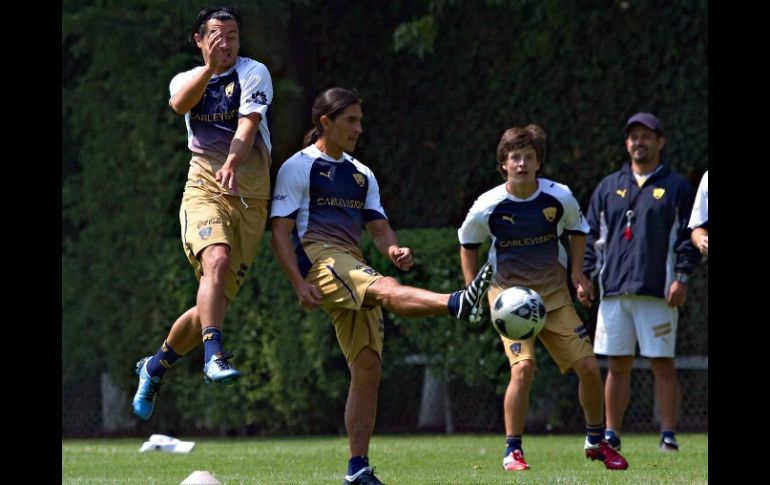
pixel 244 89
pixel 330 199
pixel 525 234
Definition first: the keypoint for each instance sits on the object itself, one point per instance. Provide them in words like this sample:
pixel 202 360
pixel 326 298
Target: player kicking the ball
pixel 323 197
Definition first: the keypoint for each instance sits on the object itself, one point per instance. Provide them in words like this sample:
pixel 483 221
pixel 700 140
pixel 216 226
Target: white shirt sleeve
pixel 256 89
pixel 179 80
pixel 291 186
pixel 700 210
pixel 573 216
pixel 373 195
pixel 475 227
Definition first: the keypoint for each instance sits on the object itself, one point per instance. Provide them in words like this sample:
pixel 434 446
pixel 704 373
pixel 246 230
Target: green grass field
pixel 421 459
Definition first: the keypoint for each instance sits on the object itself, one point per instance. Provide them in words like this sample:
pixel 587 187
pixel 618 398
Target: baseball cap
pixel 645 119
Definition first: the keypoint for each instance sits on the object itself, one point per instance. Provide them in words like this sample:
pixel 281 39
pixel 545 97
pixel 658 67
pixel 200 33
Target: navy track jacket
pixel 659 246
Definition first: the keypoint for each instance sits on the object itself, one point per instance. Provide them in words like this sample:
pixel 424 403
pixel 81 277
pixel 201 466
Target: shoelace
pixel 153 390
pixel 221 361
pixel 473 288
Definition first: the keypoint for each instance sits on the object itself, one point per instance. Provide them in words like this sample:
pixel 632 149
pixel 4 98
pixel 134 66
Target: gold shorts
pixel 564 336
pixel 208 218
pixel 343 278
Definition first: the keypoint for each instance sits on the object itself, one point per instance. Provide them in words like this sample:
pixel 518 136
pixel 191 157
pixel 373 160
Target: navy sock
pixel 512 443
pixel 594 433
pixel 454 303
pixel 668 433
pixel 212 342
pixel 610 433
pixel 162 361
pixel 356 463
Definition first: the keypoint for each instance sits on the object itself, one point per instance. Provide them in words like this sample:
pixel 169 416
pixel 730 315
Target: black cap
pixel 645 119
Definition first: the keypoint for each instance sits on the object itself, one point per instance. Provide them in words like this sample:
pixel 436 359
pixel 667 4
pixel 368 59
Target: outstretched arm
pixel 387 244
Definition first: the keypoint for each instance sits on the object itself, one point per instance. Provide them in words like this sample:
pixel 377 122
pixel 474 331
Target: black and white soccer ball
pixel 518 313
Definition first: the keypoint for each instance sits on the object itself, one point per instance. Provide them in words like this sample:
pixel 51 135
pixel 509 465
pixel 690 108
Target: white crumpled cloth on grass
pixel 161 442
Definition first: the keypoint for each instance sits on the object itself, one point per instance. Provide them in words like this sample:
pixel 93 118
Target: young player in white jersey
pixel 525 218
pixel 322 199
pixel 224 207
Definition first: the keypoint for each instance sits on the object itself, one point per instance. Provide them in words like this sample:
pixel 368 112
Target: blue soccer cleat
pixel 218 369
pixel 144 399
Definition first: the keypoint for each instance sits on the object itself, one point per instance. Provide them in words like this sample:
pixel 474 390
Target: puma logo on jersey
pixel 508 218
pixel 621 192
pixel 327 174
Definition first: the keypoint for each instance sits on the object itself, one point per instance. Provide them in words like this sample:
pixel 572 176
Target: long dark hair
pixel 329 103
pixel 220 13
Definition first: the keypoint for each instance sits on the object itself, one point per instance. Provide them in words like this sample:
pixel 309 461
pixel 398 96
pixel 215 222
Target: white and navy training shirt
pixel 244 89
pixel 330 200
pixel 525 234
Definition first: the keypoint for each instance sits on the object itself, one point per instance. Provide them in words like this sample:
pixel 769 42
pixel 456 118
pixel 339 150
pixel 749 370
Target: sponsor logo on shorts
pixel 205 233
pixel 214 221
pixel 367 269
pixel 582 332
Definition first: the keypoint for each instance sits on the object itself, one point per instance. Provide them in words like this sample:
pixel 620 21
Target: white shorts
pixel 624 319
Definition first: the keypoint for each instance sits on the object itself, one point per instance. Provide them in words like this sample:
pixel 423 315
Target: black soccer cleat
pixel 471 296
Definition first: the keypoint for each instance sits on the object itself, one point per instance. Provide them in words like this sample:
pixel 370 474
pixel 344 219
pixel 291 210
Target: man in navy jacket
pixel 639 244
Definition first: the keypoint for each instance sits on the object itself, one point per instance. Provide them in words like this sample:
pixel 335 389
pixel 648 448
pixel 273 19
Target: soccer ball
pixel 518 313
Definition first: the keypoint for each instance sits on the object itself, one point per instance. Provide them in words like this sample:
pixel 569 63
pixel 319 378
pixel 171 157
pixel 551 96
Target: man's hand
pixel 677 294
pixel 226 177
pixel 309 295
pixel 213 55
pixel 584 287
pixel 401 257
